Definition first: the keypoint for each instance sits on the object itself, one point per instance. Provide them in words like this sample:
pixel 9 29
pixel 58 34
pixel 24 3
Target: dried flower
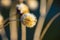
pixel 23 8
pixel 28 20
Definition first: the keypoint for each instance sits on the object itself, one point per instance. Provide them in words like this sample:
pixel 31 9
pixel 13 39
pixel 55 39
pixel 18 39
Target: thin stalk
pixel 3 34
pixel 2 30
pixel 23 32
pixel 13 24
pixel 41 20
pixel 48 6
pixel 48 25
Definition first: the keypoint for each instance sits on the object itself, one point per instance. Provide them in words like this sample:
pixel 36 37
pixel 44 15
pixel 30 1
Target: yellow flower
pixel 23 8
pixel 29 20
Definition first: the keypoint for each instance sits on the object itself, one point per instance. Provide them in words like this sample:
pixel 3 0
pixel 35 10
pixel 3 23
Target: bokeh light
pixel 33 4
pixel 6 3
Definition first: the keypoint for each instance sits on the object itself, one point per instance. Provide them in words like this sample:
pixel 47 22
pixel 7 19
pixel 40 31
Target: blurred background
pixel 53 32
